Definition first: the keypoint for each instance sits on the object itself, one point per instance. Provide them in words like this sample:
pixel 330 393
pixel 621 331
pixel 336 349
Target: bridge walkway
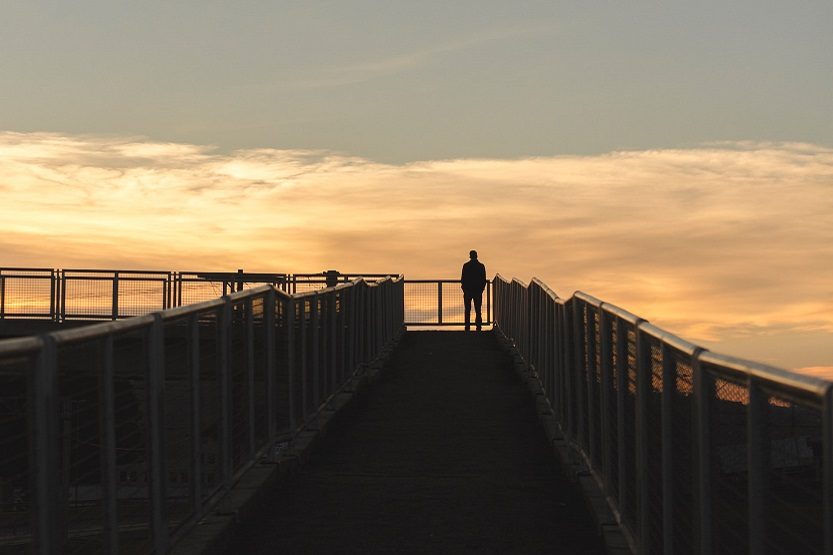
pixel 444 455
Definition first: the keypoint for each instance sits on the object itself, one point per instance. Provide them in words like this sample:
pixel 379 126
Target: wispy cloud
pixel 372 69
pixel 728 244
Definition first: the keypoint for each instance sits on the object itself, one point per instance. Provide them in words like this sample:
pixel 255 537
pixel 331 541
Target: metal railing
pixel 439 302
pixel 695 451
pixel 94 294
pixel 120 436
pixel 63 295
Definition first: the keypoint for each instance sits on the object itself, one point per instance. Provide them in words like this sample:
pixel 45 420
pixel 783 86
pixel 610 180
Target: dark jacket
pixel 473 278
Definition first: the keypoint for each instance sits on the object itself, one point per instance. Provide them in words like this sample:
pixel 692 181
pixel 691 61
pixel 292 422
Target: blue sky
pixel 405 81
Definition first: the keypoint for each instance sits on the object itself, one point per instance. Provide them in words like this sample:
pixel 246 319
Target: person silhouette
pixel 473 282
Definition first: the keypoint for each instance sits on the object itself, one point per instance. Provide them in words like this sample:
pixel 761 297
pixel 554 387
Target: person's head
pixel 472 254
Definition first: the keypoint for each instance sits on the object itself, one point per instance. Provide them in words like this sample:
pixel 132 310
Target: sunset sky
pixel 675 159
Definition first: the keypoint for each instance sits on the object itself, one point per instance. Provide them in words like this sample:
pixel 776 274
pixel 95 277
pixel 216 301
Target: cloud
pixel 718 243
pixel 372 69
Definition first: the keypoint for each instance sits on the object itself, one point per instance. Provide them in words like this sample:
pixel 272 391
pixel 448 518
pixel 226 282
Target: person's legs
pixel 467 309
pixel 478 302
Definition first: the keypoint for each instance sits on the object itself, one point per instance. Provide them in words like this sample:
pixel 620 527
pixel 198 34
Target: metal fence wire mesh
pixel 88 297
pixel 421 302
pixel 179 410
pixel 140 295
pixel 130 423
pixel 27 293
pixel 631 506
pixel 795 504
pixel 696 451
pixel 152 419
pixel 654 446
pixel 728 434
pixel 682 445
pixel 80 365
pixel 16 495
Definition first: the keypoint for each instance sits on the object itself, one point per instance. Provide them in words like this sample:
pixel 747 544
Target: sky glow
pixel 673 158
pixel 722 244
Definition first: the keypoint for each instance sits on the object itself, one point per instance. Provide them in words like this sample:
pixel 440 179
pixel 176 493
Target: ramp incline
pixel 444 455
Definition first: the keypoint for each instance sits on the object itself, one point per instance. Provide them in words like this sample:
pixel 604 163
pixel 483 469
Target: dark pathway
pixel 445 455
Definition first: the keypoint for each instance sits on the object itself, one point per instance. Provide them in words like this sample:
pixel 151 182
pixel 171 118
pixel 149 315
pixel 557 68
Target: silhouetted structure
pixel 473 282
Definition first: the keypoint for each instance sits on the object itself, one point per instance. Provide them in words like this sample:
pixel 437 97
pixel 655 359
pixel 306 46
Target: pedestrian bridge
pixel 306 419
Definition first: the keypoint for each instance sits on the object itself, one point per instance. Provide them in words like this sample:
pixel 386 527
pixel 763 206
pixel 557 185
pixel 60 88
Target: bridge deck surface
pixel 444 455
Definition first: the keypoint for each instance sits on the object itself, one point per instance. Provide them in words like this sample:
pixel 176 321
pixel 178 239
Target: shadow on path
pixel 445 455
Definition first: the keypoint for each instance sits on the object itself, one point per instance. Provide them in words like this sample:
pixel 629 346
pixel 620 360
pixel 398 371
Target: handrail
pixel 694 450
pixel 165 411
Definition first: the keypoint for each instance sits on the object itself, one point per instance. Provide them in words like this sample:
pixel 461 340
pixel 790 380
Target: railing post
pixel 63 297
pixel 289 322
pixel 332 342
pixel 592 395
pixel 440 302
pixel 827 461
pixel 108 450
pixel 667 407
pixel 156 416
pixel 269 359
pixel 225 393
pixel 489 302
pixel 347 333
pixel 196 412
pixel 48 501
pixel 53 312
pixel 3 295
pixel 570 368
pixel 250 375
pixel 606 381
pixel 115 305
pixel 643 392
pixel 579 370
pixel 315 340
pixel 758 464
pixel 302 356
pixel 621 399
pixel 703 388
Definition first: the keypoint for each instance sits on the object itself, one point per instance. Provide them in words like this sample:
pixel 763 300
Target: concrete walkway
pixel 445 455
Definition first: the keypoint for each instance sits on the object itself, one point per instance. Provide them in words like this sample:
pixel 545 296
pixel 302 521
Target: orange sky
pixel 729 245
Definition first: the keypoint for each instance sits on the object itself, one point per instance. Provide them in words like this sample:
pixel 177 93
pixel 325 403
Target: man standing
pixel 473 282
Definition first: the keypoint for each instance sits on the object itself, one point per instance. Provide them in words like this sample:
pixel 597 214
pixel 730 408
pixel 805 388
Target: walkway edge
pixel 212 534
pixel 571 460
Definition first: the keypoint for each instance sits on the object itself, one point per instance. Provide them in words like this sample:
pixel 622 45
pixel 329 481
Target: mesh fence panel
pixel 653 435
pixel 595 376
pixel 209 364
pixel 421 303
pixel 196 291
pixel 299 392
pixel 631 506
pixel 178 412
pixel 79 368
pixel 88 297
pixel 26 293
pixel 238 366
pixel 260 392
pixel 282 390
pixel 131 426
pixel 794 505
pixel 682 448
pixel 612 407
pixel 581 381
pixel 16 497
pixel 141 295
pixel 729 448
